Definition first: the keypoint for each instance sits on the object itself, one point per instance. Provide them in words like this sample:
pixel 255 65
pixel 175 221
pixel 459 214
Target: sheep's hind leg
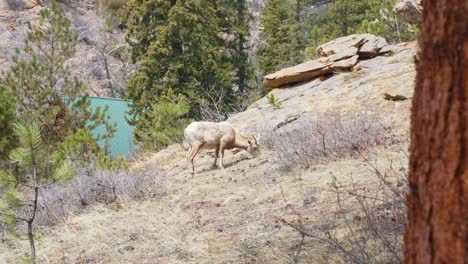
pixel 193 153
pixel 189 153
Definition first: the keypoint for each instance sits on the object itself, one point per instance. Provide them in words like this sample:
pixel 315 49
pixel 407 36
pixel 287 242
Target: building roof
pixel 121 144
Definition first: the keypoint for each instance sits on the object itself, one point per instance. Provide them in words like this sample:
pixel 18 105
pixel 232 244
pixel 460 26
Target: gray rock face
pixel 372 47
pixel 339 45
pixel 340 54
pixel 409 10
pixel 344 92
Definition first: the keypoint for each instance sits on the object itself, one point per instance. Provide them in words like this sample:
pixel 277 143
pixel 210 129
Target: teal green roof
pixel 121 144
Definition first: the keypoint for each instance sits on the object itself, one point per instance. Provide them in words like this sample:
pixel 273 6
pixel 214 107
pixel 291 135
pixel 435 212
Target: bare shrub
pixel 369 222
pixel 58 201
pixel 311 139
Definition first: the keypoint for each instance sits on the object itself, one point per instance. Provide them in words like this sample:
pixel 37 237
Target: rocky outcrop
pixel 409 10
pixel 304 71
pixel 340 54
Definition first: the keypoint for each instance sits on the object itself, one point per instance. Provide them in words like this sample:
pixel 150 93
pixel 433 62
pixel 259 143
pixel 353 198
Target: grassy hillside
pixel 300 201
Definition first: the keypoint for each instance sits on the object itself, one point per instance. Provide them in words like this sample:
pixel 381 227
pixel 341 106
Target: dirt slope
pixel 233 215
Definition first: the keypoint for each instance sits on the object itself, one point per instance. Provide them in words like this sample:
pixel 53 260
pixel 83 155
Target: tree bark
pixel 437 229
pixel 31 242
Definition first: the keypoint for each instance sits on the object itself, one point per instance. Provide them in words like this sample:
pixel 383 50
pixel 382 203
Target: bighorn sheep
pixel 218 136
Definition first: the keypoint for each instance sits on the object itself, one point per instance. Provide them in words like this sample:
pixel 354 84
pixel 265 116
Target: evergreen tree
pixel 37 168
pixel 7 117
pixel 234 21
pixel 297 31
pixel 44 88
pixel 274 49
pixel 380 20
pixel 166 122
pixel 344 17
pixel 178 46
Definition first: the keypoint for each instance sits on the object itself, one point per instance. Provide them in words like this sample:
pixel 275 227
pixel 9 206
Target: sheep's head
pixel 253 147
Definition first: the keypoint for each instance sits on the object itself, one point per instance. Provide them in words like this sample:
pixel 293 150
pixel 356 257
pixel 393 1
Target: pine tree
pixel 7 117
pixel 178 46
pixel 274 49
pixel 344 17
pixel 37 168
pixel 380 20
pixel 41 81
pixel 234 22
pixel 297 31
pixel 166 122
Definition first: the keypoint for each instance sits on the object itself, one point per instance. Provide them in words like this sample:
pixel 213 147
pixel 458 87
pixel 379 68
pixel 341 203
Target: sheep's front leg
pixel 221 153
pixel 216 156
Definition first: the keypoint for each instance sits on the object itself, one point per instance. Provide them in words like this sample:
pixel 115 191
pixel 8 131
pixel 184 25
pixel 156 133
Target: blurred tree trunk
pixel 437 229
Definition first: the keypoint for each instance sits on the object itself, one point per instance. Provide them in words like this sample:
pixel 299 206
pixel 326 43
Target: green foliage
pixel 380 20
pixel 33 156
pixel 314 41
pixel 105 162
pixel 109 23
pixel 234 22
pixel 83 150
pixel 166 122
pixel 7 117
pixel 114 7
pixel 273 101
pixel 345 17
pixel 79 147
pixel 36 168
pixel 179 48
pixel 273 53
pixel 194 48
pixel 283 40
pixel 43 86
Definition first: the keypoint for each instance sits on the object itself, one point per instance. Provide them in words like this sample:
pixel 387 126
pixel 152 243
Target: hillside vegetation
pixel 254 210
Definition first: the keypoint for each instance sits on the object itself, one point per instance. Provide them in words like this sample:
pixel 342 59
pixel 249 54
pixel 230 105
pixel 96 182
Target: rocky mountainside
pixel 101 58
pixel 341 127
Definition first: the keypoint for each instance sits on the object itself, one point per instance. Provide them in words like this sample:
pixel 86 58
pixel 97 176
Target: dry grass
pixel 58 201
pixel 369 222
pixel 318 138
pixel 230 216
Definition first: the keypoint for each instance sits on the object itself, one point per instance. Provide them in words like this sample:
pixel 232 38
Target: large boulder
pixel 340 54
pixel 372 47
pixel 409 10
pixel 304 71
pixel 340 45
pixel 365 45
pixel 345 64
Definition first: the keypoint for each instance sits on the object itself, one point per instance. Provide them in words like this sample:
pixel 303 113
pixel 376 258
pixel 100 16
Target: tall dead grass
pixel 315 138
pixel 369 219
pixel 58 201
